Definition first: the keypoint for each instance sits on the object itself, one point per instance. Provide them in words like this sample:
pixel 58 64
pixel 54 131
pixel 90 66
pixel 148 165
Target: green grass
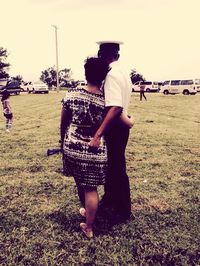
pixel 39 220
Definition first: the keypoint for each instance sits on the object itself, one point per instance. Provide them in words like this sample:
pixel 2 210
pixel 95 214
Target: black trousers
pixel 117 188
pixel 142 95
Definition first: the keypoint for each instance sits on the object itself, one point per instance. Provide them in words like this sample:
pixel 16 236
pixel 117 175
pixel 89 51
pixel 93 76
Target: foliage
pixel 18 78
pixel 48 76
pixel 39 207
pixel 136 76
pixel 3 65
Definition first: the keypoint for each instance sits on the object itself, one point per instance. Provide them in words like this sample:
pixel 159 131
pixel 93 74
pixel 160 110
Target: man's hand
pixel 95 142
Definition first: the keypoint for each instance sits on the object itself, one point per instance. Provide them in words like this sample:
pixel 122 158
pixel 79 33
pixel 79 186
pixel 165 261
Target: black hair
pixel 96 70
pixel 5 95
pixel 108 54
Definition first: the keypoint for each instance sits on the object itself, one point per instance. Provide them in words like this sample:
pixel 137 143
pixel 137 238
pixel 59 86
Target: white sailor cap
pixel 109 45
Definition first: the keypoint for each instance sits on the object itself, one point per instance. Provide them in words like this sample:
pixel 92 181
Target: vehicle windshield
pixel 166 82
pixel 147 83
pixel 197 81
pixel 175 82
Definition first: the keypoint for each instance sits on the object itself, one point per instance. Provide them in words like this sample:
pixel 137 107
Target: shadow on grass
pixel 104 222
pixel 67 222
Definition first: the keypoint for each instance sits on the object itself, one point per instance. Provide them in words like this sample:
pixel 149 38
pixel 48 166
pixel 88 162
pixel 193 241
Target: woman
pixel 82 113
pixel 7 112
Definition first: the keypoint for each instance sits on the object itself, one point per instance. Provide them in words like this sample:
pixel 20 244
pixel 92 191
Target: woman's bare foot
pixel 82 212
pixel 86 231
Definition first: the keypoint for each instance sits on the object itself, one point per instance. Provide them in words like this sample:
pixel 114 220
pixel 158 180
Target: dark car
pixel 13 87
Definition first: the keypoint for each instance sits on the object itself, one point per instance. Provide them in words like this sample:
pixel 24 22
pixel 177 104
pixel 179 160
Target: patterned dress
pixel 88 165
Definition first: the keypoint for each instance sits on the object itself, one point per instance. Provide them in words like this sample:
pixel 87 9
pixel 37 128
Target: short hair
pixel 96 70
pixel 108 54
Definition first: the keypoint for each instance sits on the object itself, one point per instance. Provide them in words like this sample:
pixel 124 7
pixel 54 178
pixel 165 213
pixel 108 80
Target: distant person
pixel 142 88
pixel 7 112
pixel 117 89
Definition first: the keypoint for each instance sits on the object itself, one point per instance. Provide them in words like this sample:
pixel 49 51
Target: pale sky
pixel 161 37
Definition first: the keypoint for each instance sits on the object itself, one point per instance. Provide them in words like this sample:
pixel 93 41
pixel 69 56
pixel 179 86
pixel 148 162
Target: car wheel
pixel 186 92
pixel 147 90
pixel 166 92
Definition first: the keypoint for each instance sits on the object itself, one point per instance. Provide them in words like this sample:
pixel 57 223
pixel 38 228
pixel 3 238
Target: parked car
pixel 197 84
pixel 81 84
pixel 13 87
pixel 39 87
pixel 185 87
pixel 150 86
pixel 27 87
pixel 160 84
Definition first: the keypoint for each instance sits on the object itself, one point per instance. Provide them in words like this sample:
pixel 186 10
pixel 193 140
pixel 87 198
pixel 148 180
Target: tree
pixel 48 76
pixel 18 78
pixel 3 65
pixel 136 76
pixel 65 77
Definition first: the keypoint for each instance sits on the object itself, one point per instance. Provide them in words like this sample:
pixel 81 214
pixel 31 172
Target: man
pixel 117 90
pixel 142 87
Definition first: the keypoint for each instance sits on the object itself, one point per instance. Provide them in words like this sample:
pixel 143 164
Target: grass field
pixel 39 220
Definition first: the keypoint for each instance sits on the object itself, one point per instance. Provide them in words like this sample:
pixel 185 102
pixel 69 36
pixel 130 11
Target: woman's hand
pixel 95 141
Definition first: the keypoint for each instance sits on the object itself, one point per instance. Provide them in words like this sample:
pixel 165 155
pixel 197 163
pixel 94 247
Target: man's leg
pixel 117 189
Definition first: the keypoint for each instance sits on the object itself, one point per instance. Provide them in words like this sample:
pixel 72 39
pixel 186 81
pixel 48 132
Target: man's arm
pixel 126 120
pixel 111 115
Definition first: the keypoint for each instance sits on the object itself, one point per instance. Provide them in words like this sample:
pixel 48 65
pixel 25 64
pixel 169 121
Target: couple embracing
pixel 94 134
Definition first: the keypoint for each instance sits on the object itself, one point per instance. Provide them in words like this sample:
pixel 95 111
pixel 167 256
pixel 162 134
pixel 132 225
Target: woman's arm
pixel 126 120
pixel 112 113
pixel 6 106
pixel 64 123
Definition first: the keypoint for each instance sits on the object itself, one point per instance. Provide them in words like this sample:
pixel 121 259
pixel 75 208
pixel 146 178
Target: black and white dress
pixel 88 165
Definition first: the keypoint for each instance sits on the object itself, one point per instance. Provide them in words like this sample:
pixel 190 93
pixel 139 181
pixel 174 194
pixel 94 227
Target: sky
pixel 161 37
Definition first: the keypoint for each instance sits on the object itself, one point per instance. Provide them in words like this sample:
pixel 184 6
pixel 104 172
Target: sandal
pixel 82 212
pixel 88 233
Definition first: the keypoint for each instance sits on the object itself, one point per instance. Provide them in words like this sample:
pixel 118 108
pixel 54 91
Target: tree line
pixel 48 76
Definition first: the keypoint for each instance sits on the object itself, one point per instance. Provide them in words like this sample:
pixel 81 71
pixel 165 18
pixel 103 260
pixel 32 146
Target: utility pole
pixel 56 39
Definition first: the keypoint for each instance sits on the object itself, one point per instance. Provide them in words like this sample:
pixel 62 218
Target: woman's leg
pixel 91 206
pixel 7 123
pixel 10 123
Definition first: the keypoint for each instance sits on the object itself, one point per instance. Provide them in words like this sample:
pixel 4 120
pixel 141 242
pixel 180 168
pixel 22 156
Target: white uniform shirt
pixel 117 87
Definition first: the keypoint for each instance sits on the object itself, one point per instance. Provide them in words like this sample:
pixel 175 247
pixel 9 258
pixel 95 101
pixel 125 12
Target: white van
pixel 185 87
pixel 197 84
pixel 40 87
pixel 150 86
